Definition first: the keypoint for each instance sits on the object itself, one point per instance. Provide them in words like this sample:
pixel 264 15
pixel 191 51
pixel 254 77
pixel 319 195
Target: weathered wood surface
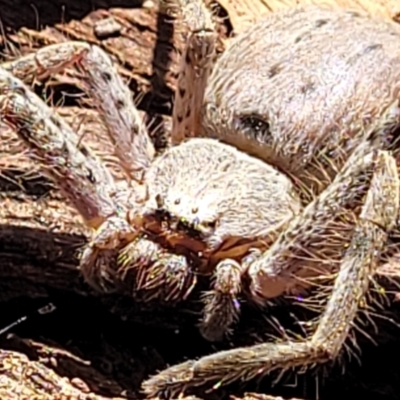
pixel 242 13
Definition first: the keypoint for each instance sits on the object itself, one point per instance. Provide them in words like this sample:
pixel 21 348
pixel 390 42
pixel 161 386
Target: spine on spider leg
pixel 126 130
pixel 195 66
pixel 83 179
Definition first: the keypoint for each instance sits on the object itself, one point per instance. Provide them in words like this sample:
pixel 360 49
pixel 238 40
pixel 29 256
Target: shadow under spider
pixel 160 94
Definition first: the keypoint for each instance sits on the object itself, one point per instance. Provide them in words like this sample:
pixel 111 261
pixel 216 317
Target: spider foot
pixel 158 274
pixel 221 304
pixel 99 260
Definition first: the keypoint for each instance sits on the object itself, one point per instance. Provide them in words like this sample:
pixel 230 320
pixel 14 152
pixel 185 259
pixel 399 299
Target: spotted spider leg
pixel 83 179
pixel 101 263
pixel 125 128
pixel 70 164
pixel 134 152
pixel 378 216
pixel 195 67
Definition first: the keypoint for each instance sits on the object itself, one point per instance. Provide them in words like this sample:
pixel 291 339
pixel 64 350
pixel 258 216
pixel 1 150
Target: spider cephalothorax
pixel 313 95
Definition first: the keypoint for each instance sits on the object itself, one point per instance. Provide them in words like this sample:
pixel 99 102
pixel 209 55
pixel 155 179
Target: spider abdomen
pixel 303 86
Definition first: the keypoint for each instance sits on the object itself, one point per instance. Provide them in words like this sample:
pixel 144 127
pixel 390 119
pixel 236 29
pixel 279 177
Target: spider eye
pixel 255 126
